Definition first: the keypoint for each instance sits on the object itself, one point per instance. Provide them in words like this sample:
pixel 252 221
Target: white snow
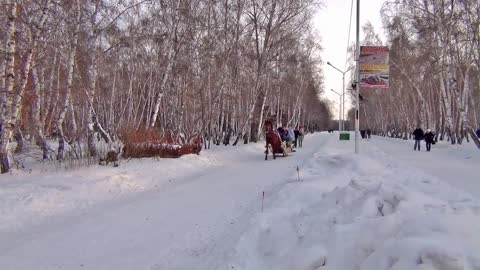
pixel 387 208
pixel 363 212
pixel 27 199
pixel 454 164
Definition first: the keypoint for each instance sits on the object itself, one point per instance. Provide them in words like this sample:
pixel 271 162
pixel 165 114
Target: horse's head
pixel 268 126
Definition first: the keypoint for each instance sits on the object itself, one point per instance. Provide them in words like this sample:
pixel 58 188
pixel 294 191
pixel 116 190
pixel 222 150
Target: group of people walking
pixel 419 135
pixel 366 133
pixel 292 136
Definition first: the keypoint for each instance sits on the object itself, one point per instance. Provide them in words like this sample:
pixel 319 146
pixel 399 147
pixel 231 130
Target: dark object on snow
pixel 112 157
pixel 245 138
pixel 418 136
pixel 296 132
pixel 478 133
pixel 226 140
pixel 429 139
pixel 429 136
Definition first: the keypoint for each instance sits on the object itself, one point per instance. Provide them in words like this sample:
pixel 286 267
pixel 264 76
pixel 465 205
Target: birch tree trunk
pixel 464 109
pixel 170 58
pixel 67 99
pixel 93 124
pixel 3 97
pixel 92 148
pixel 14 98
pixel 444 86
pixel 51 96
pixel 9 78
pixel 158 100
pixel 36 107
pixel 54 104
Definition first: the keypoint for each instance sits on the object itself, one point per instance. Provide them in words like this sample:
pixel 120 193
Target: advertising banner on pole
pixel 374 67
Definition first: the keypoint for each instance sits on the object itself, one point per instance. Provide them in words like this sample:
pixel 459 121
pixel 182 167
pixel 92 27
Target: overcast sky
pixel 332 24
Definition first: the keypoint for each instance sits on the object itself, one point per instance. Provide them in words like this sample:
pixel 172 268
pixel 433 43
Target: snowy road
pixel 387 208
pixel 456 165
pixel 192 225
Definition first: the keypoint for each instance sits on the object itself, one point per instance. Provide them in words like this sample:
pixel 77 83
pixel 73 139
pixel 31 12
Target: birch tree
pixel 12 99
pixel 79 71
pixel 64 105
pixel 434 71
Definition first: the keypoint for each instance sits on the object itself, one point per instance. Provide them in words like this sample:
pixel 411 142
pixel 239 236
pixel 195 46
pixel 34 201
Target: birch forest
pixel 79 72
pixel 434 71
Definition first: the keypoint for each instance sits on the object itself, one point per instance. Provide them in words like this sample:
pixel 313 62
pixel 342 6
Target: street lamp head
pixel 336 92
pixel 328 63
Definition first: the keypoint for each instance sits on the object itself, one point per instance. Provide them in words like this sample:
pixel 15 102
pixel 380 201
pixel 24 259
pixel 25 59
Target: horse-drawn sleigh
pixel 274 143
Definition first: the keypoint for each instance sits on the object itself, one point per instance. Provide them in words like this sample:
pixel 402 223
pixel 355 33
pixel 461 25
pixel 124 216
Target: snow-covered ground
pixel 365 212
pixel 457 165
pixel 383 209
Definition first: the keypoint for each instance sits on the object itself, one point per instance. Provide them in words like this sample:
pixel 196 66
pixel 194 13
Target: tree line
pixel 434 70
pixel 75 71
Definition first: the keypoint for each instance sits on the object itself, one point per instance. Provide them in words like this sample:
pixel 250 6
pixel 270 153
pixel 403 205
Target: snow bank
pixel 363 213
pixel 29 198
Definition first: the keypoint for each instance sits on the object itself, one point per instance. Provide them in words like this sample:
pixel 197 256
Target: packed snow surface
pixel 320 208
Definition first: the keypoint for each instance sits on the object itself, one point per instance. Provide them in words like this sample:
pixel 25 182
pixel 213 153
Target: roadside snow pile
pixel 27 199
pixel 381 217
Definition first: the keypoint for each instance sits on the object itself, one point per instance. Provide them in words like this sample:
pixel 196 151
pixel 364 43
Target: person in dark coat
pixel 297 133
pixel 429 139
pixel 418 136
pixel 362 133
pixel 281 132
pixel 369 133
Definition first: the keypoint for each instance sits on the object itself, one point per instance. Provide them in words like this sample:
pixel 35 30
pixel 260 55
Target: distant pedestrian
pixel 429 139
pixel 369 133
pixel 418 136
pixel 297 133
pixel 301 134
pixel 362 133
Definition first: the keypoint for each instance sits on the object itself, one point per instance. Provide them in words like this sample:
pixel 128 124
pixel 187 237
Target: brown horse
pixel 273 142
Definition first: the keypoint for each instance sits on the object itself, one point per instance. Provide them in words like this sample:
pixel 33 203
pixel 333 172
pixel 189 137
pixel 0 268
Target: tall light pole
pixel 339 110
pixel 357 82
pixel 343 93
